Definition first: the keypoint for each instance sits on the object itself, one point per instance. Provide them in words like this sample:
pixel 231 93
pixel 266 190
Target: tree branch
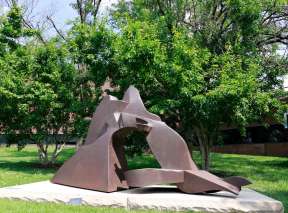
pixel 97 6
pixel 55 28
pixel 30 26
pixel 80 10
pixel 160 8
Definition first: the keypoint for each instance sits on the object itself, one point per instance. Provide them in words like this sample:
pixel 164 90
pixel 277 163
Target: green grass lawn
pixel 268 174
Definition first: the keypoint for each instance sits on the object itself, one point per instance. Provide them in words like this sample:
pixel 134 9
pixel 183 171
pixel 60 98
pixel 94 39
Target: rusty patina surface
pixel 101 165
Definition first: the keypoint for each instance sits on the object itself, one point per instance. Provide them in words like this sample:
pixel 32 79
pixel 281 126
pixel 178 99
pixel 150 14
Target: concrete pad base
pixel 153 197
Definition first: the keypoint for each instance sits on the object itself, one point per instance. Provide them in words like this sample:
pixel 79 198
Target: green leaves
pixel 12 29
pixel 202 75
pixel 198 64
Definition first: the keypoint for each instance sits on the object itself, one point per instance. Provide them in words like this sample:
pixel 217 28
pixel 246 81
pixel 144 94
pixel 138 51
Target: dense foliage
pixel 37 94
pixel 201 65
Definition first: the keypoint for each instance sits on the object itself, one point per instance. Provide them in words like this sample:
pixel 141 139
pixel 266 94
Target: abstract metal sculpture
pixel 100 164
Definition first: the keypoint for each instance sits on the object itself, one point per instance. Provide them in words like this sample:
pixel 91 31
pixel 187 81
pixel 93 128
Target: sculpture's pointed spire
pixel 136 105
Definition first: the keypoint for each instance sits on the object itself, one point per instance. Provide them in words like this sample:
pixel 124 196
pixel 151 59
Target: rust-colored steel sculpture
pixel 100 164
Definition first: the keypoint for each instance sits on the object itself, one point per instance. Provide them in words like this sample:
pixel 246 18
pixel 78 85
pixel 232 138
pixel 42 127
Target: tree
pixel 50 88
pixel 87 10
pixel 11 32
pixel 38 92
pixel 90 50
pixel 199 71
pixel 37 88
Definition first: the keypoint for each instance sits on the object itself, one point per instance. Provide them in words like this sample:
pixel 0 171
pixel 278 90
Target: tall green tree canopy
pixel 203 64
pixel 48 89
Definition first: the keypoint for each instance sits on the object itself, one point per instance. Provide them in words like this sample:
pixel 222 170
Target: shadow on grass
pixel 259 171
pixel 223 173
pixel 277 164
pixel 21 153
pixel 31 153
pixel 26 161
pixel 28 167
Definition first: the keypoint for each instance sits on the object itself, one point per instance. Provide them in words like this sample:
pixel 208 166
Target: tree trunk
pixel 205 142
pixel 43 157
pixel 190 147
pixel 205 157
pixel 44 154
pixel 79 143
